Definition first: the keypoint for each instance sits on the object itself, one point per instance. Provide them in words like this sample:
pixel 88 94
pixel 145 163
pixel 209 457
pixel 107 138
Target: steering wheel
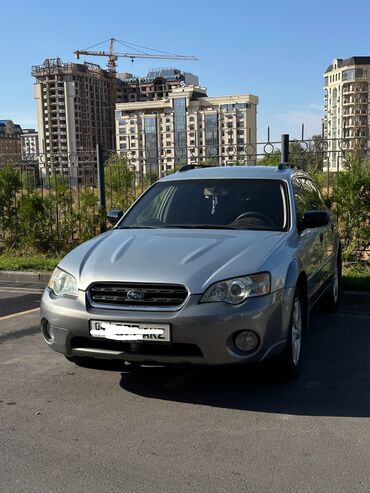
pixel 258 215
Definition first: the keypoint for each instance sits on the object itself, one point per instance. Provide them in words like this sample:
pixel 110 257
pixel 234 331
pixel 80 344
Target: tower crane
pixel 113 55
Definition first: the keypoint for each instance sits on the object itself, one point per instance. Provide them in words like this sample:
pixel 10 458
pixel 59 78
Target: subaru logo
pixel 135 294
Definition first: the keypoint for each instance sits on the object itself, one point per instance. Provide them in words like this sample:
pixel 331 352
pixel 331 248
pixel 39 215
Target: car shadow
pixel 334 380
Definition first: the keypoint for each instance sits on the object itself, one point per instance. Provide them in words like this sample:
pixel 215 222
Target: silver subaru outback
pixel 211 265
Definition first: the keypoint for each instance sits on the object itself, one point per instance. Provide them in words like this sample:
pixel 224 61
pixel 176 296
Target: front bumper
pixel 201 333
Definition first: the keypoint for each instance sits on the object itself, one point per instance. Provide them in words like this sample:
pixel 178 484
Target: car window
pixel 234 204
pixel 307 197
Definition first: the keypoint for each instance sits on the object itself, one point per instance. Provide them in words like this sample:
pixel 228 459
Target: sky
pixel 277 50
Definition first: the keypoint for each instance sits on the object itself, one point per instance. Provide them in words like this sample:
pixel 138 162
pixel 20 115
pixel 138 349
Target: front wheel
pixel 289 362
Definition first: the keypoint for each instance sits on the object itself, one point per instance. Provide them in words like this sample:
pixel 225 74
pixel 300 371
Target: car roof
pixel 234 172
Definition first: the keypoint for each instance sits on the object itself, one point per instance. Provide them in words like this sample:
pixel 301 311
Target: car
pixel 211 265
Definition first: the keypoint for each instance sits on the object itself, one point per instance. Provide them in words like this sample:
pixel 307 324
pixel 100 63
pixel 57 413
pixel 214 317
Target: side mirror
pixel 114 216
pixel 315 219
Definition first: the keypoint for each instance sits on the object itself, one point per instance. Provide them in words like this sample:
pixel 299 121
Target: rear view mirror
pixel 114 216
pixel 315 219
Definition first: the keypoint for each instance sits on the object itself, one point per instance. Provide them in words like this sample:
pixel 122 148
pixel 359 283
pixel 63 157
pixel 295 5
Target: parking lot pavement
pixel 67 428
pixel 18 297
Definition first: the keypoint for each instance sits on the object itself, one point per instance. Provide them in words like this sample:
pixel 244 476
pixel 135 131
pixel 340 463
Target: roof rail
pixel 188 167
pixel 283 166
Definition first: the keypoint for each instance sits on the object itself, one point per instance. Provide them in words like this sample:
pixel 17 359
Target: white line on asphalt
pixel 22 290
pixel 18 314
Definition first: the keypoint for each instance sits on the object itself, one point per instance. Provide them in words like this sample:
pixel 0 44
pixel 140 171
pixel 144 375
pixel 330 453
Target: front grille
pixel 130 294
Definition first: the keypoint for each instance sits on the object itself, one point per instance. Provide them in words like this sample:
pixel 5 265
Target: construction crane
pixel 113 55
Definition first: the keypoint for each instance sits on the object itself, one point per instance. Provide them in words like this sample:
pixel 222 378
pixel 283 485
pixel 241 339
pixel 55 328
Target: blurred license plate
pixel 131 332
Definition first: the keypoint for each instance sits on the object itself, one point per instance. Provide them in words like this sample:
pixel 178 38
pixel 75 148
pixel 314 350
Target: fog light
pixel 48 332
pixel 246 340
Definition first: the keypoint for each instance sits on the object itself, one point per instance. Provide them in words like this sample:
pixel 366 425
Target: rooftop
pixel 354 60
pixel 232 172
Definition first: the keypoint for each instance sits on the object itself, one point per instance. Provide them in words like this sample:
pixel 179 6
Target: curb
pixel 29 277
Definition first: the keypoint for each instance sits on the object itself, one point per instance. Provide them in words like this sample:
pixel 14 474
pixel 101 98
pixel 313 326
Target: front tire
pixel 289 362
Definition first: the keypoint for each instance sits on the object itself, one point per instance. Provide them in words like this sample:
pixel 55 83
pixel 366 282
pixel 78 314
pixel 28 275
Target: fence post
pixel 285 148
pixel 101 188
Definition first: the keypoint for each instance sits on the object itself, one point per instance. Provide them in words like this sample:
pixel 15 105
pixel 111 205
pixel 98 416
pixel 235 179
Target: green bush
pixel 351 201
pixel 10 185
pixel 119 182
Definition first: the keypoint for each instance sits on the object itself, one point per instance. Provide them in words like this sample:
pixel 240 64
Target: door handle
pixel 321 236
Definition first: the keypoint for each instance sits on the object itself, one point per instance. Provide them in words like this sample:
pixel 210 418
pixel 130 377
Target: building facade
pixel 346 107
pixel 10 141
pixel 29 144
pixel 75 107
pixel 184 127
pixel 157 84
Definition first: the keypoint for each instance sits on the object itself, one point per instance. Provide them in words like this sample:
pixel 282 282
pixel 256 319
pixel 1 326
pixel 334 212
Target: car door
pixel 327 231
pixel 312 240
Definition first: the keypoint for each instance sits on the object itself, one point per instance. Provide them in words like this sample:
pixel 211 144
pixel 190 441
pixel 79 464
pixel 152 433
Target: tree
pixel 351 201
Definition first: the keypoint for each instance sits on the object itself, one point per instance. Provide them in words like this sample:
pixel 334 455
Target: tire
pixel 288 363
pixel 331 298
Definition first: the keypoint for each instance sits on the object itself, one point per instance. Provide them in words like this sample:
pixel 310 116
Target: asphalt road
pixel 66 428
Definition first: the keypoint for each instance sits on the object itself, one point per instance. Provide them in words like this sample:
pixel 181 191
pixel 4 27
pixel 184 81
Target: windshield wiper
pixel 198 226
pixel 138 226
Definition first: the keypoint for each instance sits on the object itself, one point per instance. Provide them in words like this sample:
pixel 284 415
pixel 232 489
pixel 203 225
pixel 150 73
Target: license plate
pixel 130 332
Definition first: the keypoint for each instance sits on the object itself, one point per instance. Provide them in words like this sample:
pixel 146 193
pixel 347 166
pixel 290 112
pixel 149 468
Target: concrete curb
pixel 28 277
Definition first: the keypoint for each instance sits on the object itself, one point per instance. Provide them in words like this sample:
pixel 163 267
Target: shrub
pixel 351 201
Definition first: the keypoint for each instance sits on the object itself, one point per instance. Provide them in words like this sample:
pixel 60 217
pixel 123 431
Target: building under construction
pixel 75 107
pixel 76 102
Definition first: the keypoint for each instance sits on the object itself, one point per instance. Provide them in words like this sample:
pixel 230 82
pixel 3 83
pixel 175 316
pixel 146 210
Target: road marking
pixel 21 290
pixel 18 314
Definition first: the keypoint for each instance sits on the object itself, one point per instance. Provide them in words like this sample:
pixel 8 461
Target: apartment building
pixel 186 126
pixel 29 144
pixel 346 105
pixel 10 141
pixel 157 84
pixel 75 107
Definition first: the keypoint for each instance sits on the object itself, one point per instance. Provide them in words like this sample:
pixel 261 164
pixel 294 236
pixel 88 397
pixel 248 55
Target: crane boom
pixel 133 55
pixel 112 55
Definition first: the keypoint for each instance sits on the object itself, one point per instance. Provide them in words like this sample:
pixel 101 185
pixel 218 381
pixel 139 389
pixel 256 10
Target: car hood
pixel 194 258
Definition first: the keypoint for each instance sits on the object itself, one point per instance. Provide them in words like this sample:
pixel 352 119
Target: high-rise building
pixel 187 126
pixel 10 142
pixel 29 144
pixel 346 104
pixel 75 103
pixel 75 107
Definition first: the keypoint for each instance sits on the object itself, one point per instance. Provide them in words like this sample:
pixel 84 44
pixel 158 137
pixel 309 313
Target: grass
pixel 356 277
pixel 27 262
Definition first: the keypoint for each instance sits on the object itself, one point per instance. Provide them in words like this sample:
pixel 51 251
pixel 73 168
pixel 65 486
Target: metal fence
pixel 80 187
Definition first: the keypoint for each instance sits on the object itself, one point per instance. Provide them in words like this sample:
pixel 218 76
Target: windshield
pixel 214 204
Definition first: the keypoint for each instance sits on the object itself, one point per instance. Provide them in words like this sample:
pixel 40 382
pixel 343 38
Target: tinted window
pixel 236 204
pixel 307 197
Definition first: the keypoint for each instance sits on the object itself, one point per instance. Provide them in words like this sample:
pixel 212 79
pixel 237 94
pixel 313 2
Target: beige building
pixel 10 141
pixel 346 100
pixel 186 126
pixel 75 107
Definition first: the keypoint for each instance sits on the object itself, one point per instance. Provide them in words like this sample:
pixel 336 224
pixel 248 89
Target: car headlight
pixel 238 289
pixel 63 284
